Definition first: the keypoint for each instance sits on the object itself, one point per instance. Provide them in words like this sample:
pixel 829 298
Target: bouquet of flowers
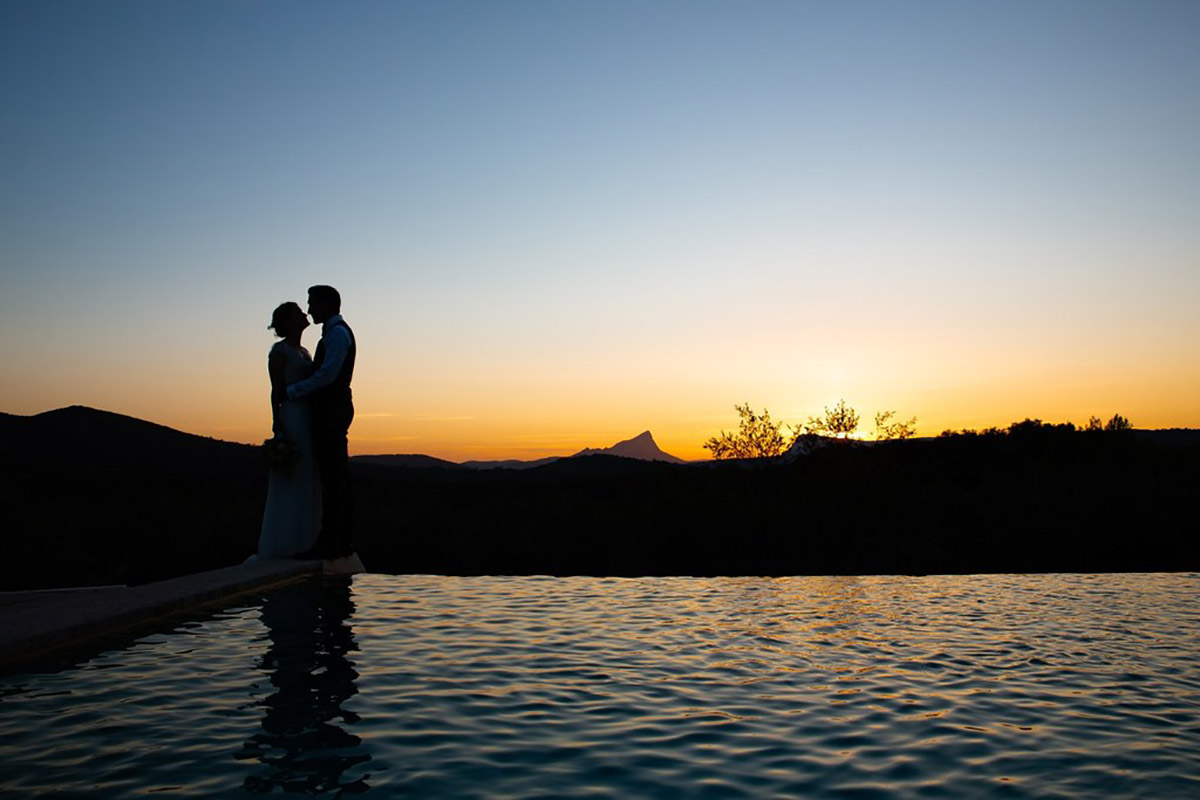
pixel 280 454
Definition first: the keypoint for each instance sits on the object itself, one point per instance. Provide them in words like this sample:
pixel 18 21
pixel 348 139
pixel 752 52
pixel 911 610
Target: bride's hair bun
pixel 281 313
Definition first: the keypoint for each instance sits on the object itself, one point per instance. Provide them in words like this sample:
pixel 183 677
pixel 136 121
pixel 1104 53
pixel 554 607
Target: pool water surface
pixel 423 686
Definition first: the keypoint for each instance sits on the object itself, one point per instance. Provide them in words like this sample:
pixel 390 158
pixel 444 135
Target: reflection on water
pixel 420 686
pixel 302 741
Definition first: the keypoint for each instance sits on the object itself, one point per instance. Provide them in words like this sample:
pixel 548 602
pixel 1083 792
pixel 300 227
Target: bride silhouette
pixel 292 517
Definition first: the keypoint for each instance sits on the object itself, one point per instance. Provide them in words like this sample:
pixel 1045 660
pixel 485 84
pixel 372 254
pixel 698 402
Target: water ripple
pixel 975 686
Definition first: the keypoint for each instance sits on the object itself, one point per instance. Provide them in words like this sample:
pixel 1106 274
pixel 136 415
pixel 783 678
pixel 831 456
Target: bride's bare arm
pixel 276 367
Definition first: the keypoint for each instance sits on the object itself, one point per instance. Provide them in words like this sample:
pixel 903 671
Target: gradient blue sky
pixel 556 224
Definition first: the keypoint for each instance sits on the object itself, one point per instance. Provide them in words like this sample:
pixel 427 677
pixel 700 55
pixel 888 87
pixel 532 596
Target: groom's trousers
pixel 333 463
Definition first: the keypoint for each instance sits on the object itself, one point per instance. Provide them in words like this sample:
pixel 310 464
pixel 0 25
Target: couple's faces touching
pixel 289 321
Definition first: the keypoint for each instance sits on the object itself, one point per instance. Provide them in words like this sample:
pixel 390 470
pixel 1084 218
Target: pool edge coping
pixel 35 624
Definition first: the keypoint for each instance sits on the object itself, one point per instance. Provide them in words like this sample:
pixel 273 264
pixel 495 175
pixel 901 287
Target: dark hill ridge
pixel 105 439
pixel 85 437
pixel 90 497
pixel 511 463
pixel 105 498
pixel 407 461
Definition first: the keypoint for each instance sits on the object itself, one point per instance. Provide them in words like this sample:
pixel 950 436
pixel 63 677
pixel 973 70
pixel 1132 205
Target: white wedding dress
pixel 292 518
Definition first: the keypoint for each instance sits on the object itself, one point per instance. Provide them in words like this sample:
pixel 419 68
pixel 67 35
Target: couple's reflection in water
pixel 303 745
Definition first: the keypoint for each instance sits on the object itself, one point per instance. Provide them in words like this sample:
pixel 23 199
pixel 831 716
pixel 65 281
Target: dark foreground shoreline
pixel 91 500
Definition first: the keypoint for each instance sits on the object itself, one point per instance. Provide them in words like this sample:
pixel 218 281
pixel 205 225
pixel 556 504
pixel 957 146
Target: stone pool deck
pixel 35 623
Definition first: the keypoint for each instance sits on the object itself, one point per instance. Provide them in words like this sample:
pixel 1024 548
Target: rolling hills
pixel 90 497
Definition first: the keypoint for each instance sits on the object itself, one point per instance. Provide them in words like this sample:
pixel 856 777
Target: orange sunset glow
pixel 543 248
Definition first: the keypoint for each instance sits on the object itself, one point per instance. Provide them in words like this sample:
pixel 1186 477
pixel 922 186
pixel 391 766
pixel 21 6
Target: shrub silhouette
pixel 756 437
pixel 841 422
pixel 1118 423
pixel 885 429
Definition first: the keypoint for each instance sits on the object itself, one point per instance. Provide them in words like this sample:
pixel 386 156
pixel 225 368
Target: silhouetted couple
pixel 309 513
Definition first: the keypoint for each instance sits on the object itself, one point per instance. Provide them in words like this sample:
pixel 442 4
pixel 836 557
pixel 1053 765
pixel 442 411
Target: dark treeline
pixel 1034 499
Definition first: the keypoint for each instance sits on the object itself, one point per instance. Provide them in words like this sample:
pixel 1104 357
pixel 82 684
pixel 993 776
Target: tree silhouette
pixel 1118 423
pixel 841 422
pixel 885 429
pixel 756 437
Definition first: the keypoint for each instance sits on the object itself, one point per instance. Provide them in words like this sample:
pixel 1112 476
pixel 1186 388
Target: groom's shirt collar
pixel 329 323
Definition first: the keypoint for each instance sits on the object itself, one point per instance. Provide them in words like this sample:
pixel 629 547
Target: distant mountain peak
pixel 641 447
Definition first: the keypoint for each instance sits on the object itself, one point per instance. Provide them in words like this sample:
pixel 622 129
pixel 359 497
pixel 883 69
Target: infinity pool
pixel 417 686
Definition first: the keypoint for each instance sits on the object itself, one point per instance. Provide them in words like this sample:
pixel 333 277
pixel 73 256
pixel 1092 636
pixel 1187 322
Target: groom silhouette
pixel 332 412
